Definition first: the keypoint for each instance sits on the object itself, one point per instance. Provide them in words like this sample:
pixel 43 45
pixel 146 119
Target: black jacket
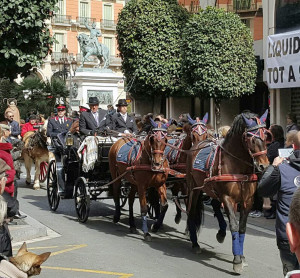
pixel 88 124
pixel 54 127
pixel 118 124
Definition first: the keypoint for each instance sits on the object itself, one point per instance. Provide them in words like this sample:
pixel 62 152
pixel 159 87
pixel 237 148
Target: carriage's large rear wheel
pixel 82 199
pixel 52 186
pixel 43 171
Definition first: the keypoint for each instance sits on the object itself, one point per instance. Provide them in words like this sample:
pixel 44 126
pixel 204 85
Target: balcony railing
pixel 114 61
pixel 108 24
pixel 81 20
pixel 56 56
pixel 239 6
pixel 194 8
pixel 61 19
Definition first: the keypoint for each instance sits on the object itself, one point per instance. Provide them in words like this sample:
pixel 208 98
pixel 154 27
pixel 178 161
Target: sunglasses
pixel 60 110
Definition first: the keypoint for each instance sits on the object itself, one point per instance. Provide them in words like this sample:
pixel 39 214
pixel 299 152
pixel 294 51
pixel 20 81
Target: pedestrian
pixel 14 125
pixel 282 178
pixel 291 122
pixel 290 138
pixel 293 231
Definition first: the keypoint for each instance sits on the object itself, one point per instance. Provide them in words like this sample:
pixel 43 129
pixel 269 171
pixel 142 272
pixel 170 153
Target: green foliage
pixel 149 35
pixel 219 59
pixel 24 37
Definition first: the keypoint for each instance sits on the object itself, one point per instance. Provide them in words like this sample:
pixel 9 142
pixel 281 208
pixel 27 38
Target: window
pixel 84 9
pixel 61 7
pixel 108 42
pixel 59 42
pixel 107 16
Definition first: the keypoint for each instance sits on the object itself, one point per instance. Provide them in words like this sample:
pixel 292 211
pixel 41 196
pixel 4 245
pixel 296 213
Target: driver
pixel 60 123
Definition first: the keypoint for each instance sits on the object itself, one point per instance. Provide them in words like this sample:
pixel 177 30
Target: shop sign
pixel 283 60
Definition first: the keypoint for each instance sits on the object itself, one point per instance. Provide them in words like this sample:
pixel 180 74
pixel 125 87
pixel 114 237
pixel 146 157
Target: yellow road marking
pixel 121 275
pixel 68 249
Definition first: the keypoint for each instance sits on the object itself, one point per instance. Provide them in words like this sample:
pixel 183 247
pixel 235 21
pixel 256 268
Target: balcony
pixel 242 6
pixel 60 19
pixel 81 20
pixel 56 56
pixel 194 8
pixel 108 24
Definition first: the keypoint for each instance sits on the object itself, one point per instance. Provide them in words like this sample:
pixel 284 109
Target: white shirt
pixel 96 117
pixel 61 120
pixel 124 116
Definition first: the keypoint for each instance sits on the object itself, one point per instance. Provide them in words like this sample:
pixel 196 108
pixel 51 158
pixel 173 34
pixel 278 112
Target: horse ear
pixel 263 118
pixel 248 122
pixel 191 121
pixel 154 124
pixel 205 118
pixel 167 124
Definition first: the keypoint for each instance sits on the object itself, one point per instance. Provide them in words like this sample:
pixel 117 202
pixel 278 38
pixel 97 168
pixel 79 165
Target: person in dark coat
pixel 59 123
pixel 291 122
pixel 283 178
pixel 94 120
pixel 121 121
pixel 277 143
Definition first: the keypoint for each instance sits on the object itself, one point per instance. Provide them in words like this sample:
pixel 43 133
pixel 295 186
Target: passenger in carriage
pixel 30 126
pixel 93 120
pixel 121 121
pixel 60 123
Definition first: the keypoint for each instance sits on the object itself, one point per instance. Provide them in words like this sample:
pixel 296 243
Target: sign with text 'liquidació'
pixel 283 60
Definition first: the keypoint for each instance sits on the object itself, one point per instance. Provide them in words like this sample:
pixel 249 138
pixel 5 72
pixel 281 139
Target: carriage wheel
pixel 82 200
pixel 52 186
pixel 43 171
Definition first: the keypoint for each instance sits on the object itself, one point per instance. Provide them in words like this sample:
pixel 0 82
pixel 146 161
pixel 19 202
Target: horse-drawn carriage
pixel 82 174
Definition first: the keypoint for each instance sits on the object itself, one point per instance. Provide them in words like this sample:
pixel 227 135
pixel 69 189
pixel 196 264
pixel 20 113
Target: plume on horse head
pixel 162 126
pixel 203 121
pixel 252 121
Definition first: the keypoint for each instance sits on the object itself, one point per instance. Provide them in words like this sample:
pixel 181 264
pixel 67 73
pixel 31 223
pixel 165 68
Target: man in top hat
pixel 121 121
pixel 59 123
pixel 93 120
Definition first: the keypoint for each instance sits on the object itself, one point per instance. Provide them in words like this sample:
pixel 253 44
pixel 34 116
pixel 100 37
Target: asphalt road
pixel 100 248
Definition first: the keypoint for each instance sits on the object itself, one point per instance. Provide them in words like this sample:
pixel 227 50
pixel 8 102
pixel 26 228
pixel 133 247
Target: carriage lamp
pixel 70 140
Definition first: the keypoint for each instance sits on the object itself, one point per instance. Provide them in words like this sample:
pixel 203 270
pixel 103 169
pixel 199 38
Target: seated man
pixel 121 121
pixel 94 119
pixel 30 126
pixel 14 125
pixel 60 123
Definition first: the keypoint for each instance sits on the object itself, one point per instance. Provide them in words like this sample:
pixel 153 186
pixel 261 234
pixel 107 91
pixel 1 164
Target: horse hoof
pixel 196 249
pixel 133 230
pixel 238 268
pixel 154 228
pixel 245 264
pixel 147 237
pixel 221 236
pixel 177 219
pixel 36 187
pixel 116 219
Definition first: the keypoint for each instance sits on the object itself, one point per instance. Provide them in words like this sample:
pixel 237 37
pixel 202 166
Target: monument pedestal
pixel 100 83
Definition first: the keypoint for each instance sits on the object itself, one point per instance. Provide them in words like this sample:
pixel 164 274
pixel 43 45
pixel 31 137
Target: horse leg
pixel 162 191
pixel 116 195
pixel 175 191
pixel 28 163
pixel 222 223
pixel 195 218
pixel 36 184
pixel 144 211
pixel 234 228
pixel 131 199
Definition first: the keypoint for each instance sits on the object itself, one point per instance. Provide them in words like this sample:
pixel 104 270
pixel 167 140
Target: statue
pixel 74 90
pixel 89 45
pixel 12 107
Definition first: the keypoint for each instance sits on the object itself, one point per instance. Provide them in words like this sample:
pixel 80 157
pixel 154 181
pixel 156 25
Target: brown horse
pixel 149 168
pixel 35 150
pixel 231 179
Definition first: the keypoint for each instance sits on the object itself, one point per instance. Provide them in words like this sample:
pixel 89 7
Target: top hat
pixel 122 102
pixel 93 101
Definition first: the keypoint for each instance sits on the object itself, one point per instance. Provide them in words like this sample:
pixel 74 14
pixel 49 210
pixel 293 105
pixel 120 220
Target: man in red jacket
pixel 30 126
pixel 5 149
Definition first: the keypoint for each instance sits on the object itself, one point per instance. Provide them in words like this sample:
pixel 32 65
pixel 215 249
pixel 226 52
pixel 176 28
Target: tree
pixel 149 35
pixel 219 59
pixel 24 36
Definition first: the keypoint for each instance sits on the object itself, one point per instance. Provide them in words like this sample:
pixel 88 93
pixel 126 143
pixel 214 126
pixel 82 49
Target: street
pixel 100 248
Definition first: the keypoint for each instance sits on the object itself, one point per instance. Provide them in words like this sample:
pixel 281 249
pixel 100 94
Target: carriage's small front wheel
pixel 52 186
pixel 43 171
pixel 82 200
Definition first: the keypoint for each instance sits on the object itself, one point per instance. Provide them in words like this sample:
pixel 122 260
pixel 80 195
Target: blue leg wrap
pixel 241 239
pixel 144 225
pixel 235 243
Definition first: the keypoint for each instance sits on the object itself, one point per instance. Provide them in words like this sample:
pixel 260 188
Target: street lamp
pixel 64 67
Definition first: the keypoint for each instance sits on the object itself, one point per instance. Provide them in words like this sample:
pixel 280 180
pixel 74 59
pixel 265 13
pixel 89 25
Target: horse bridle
pixel 199 128
pixel 159 134
pixel 257 131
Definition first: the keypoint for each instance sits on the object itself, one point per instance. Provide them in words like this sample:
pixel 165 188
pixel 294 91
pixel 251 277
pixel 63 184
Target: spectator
pixel 290 138
pixel 293 230
pixel 291 122
pixel 277 143
pixel 281 178
pixel 30 126
pixel 14 125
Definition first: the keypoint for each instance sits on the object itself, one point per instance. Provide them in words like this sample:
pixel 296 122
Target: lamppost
pixel 64 67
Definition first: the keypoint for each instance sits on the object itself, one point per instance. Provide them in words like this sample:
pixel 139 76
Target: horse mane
pixel 32 138
pixel 238 125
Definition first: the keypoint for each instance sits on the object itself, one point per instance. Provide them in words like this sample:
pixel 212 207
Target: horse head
pixel 157 141
pixel 199 129
pixel 255 138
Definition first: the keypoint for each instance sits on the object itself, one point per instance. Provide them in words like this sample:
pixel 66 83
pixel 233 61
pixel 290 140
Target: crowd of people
pixel 279 182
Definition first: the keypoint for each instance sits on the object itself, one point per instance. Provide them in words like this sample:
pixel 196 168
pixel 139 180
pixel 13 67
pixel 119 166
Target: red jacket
pixel 6 156
pixel 27 127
